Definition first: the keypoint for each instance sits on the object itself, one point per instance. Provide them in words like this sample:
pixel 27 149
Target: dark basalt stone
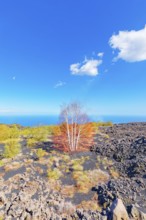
pixel 126 147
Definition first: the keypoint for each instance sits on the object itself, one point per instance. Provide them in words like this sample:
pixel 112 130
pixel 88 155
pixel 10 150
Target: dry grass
pixel 1 217
pixel 104 161
pixel 67 209
pixel 77 161
pixel 28 169
pixel 39 170
pixel 45 161
pixel 85 180
pixel 12 166
pixel 65 158
pixel 55 185
pixel 97 165
pixel 40 153
pixel 89 205
pixel 1 175
pixel 11 139
pixel 1 163
pixel 98 176
pixel 53 159
pixel 77 167
pixel 28 161
pixel 68 191
pixel 114 173
pixel 54 174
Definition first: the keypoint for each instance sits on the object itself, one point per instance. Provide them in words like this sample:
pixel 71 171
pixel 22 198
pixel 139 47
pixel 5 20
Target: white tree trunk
pixel 78 138
pixel 68 132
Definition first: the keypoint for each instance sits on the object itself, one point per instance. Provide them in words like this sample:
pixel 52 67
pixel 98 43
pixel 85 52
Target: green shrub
pixel 40 153
pixel 11 149
pixel 40 133
pixel 1 163
pixel 54 174
pixel 77 167
pixel 104 124
pixel 31 142
pixel 37 134
pixel 8 132
pixel 14 132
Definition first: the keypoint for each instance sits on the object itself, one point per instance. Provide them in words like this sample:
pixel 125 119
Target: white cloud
pixel 2 110
pixel 60 84
pixel 6 110
pixel 87 67
pixel 131 45
pixel 100 54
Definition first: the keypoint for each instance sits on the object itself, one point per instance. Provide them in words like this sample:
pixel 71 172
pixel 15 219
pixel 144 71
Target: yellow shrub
pixel 8 132
pixel 31 142
pixel 40 153
pixel 11 149
pixel 54 174
pixel 1 163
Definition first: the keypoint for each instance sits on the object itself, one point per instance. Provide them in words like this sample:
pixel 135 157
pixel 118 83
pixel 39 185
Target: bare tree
pixel 75 131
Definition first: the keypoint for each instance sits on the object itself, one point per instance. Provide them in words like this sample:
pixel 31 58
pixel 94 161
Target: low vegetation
pixel 76 132
pixel 1 163
pixel 114 173
pixel 40 153
pixel 68 191
pixel 90 205
pixel 103 124
pixel 11 149
pixel 35 135
pixel 66 172
pixel 85 180
pixel 54 174
pixel 1 217
pixel 8 132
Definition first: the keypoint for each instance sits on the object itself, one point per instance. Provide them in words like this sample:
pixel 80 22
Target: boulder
pixel 118 211
pixel 135 213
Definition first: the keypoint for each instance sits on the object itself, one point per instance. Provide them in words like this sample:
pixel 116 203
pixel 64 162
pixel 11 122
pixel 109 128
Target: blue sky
pixel 57 51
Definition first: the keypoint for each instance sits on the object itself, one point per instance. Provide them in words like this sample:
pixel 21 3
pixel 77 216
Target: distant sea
pixel 50 120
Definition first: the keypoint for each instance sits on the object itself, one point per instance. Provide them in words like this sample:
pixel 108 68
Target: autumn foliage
pixel 75 133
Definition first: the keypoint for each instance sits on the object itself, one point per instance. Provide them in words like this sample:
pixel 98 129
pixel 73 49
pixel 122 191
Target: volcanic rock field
pixel 108 181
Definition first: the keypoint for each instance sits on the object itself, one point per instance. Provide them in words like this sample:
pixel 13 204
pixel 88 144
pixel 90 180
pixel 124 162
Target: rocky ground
pixel 125 144
pixel 107 183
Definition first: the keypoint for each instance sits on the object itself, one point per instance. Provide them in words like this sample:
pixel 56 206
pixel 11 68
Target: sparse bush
pixel 85 180
pixel 82 181
pixel 68 191
pixel 54 174
pixel 4 132
pixel 77 167
pixel 39 134
pixel 68 209
pixel 65 158
pixel 114 173
pixel 8 132
pixel 97 165
pixel 14 132
pixel 89 205
pixel 1 163
pixel 76 164
pixel 11 149
pixel 104 124
pixel 40 153
pixel 31 142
